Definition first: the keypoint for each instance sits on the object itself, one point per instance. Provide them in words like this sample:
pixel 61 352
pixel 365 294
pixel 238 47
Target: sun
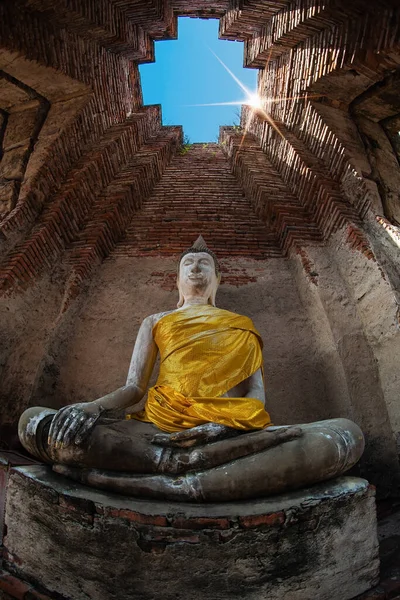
pixel 254 101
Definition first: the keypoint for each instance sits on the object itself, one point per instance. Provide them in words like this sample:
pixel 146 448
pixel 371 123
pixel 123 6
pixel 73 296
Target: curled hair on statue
pixel 200 246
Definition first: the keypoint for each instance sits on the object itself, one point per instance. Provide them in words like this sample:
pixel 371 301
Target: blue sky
pixel 186 72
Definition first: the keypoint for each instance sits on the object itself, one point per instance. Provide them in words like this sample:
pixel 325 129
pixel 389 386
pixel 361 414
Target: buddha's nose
pixel 196 268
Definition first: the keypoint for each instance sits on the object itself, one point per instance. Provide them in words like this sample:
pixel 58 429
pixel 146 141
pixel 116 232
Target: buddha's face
pixel 197 275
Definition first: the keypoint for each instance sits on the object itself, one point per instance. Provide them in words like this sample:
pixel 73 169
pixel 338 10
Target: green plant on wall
pixel 186 145
pixel 236 123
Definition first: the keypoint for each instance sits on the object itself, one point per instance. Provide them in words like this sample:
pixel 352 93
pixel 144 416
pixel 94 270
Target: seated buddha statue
pixel 204 433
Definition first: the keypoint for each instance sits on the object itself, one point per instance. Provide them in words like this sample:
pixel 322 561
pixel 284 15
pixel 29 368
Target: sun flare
pixel 254 101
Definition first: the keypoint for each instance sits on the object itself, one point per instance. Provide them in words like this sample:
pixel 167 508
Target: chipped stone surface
pixel 316 543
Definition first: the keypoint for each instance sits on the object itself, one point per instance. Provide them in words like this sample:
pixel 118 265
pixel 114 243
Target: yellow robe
pixel 205 351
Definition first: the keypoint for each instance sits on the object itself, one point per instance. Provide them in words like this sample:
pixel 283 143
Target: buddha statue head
pixel 198 273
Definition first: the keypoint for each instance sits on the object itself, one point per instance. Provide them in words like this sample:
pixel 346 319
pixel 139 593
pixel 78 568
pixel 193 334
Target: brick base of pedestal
pixel 70 541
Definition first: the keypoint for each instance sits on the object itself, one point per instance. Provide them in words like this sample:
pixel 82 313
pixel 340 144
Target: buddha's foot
pixel 211 455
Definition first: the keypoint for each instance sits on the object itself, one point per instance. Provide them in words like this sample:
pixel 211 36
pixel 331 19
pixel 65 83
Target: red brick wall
pixel 198 195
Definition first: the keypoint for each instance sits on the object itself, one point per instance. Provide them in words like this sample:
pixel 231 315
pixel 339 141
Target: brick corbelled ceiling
pixel 86 170
pixel 198 193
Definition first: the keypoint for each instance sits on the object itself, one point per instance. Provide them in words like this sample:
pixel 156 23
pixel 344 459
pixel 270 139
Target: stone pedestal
pixel 73 542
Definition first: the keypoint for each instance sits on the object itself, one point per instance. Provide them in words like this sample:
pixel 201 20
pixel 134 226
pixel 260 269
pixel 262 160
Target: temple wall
pixel 54 78
pixel 385 165
pixel 369 289
pixel 349 296
pixel 26 329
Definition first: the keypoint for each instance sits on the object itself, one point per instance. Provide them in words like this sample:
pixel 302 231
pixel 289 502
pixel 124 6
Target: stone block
pixel 11 94
pixel 20 126
pixel 319 542
pixel 8 196
pixel 13 163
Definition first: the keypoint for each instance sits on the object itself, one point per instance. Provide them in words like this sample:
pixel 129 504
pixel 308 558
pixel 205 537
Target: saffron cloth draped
pixel 205 351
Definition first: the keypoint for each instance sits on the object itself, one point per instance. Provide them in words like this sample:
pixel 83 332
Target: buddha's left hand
pixel 196 436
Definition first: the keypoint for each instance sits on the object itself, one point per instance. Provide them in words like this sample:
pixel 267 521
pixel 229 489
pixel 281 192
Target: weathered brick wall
pixel 309 52
pixel 244 17
pixel 112 91
pixel 348 293
pixel 307 177
pixel 105 224
pixel 331 85
pixel 290 220
pixel 200 8
pixel 294 36
pixel 198 195
pixel 62 215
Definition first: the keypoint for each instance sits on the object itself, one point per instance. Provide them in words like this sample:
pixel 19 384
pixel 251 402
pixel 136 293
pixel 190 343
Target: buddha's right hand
pixel 196 436
pixel 72 424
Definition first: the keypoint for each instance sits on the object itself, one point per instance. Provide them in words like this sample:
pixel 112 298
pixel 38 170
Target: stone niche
pixel 72 542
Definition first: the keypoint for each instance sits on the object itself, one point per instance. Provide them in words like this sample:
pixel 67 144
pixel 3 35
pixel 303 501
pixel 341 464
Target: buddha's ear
pixel 211 299
pixel 181 299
